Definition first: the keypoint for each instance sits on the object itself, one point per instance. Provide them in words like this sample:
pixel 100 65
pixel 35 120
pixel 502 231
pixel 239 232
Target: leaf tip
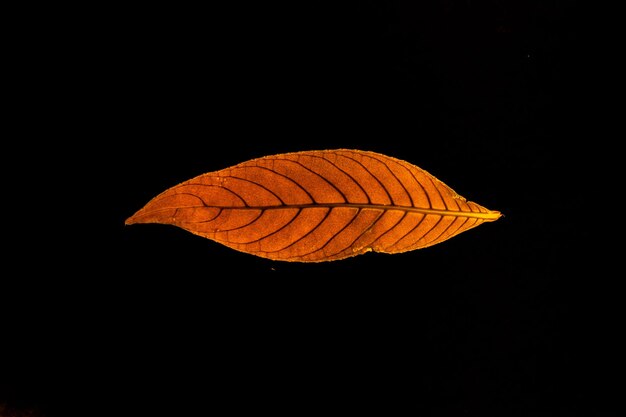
pixel 131 220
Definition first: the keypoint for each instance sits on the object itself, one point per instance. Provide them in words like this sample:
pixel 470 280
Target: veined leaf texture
pixel 316 206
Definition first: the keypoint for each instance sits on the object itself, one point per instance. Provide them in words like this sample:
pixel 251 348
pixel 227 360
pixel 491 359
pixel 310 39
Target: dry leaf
pixel 317 206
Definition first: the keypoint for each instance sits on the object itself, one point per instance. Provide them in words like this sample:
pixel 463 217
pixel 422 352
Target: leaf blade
pixel 315 206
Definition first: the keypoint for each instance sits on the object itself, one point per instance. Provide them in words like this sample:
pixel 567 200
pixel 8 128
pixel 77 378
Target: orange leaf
pixel 317 206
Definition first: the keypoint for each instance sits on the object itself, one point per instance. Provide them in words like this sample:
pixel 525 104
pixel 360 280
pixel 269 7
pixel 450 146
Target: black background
pixel 152 320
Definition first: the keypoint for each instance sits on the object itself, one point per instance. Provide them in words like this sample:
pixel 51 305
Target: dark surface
pixel 152 320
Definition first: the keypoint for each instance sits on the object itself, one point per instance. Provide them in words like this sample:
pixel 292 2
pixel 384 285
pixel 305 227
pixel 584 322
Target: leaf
pixel 317 206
